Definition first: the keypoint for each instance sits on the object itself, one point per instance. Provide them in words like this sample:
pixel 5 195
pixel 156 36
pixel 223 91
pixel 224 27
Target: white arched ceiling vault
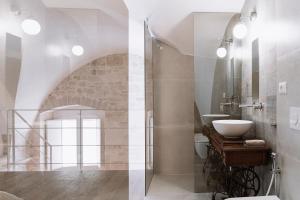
pixel 101 26
pixel 170 20
pixel 115 8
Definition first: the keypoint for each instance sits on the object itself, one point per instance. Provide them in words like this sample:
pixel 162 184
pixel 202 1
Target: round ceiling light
pixel 221 52
pixel 31 27
pixel 78 50
pixel 240 31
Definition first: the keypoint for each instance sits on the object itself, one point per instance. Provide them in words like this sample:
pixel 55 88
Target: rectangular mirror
pixel 217 77
pixel 255 70
pixel 230 79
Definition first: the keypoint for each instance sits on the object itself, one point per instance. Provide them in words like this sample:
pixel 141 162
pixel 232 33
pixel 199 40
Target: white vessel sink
pixel 232 128
pixel 208 118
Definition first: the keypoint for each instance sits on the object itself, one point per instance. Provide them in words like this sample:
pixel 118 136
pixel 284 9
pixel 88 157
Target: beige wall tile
pixel 173 110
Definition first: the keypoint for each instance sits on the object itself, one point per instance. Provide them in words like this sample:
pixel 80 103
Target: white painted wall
pixel 136 109
pixel 32 55
pixel 47 57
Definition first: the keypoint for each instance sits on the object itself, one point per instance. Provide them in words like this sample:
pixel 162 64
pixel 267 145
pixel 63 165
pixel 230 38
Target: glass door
pixel 91 140
pixel 63 137
pixel 74 143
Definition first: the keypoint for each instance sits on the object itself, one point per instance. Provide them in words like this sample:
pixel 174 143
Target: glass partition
pixel 149 108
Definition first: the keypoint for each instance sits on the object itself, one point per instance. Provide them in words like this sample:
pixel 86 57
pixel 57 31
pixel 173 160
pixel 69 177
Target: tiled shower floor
pixel 174 187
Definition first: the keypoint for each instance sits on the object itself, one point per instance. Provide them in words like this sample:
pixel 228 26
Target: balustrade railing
pixel 61 139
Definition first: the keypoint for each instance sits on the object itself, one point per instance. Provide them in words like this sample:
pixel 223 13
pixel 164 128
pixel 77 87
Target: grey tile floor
pixel 174 187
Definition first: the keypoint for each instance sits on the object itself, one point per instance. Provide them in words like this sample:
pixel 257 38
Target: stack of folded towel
pixel 255 143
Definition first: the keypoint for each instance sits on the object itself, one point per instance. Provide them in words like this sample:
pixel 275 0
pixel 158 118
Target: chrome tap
pixel 233 100
pixel 255 106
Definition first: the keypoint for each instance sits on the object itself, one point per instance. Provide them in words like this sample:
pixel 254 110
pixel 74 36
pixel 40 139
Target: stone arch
pixel 101 84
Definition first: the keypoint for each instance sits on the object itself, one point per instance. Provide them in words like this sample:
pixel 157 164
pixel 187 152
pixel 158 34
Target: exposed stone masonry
pixel 101 84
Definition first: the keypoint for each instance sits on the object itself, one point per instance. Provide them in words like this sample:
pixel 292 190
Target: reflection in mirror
pixel 217 80
pixel 255 71
pixel 210 71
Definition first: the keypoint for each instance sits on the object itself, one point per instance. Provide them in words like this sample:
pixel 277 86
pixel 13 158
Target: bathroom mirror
pixel 255 71
pixel 217 78
pixel 230 79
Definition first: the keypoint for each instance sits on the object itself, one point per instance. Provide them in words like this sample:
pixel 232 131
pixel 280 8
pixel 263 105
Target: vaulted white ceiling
pixel 170 20
pixel 114 8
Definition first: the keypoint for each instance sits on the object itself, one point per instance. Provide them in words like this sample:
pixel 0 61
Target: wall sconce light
pixel 240 30
pixel 77 50
pixel 31 27
pixel 253 16
pixel 221 52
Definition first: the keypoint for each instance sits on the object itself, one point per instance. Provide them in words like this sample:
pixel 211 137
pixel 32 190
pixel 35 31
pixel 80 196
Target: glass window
pixel 64 136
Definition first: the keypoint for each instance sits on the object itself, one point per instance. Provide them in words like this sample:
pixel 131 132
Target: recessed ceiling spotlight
pixel 77 50
pixel 240 30
pixel 31 27
pixel 221 52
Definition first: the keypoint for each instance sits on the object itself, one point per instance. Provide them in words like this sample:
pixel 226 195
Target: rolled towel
pixel 255 143
pixel 7 196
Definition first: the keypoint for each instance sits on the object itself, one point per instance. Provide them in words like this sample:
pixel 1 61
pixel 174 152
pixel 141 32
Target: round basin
pixel 208 118
pixel 232 128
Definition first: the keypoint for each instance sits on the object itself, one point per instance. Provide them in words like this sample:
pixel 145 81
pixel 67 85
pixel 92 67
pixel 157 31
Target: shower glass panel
pixel 149 108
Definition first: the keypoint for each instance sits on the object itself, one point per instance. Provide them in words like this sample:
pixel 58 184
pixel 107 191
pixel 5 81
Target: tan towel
pixel 255 143
pixel 7 196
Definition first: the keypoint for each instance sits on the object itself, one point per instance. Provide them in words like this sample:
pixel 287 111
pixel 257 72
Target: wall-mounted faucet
pixel 230 102
pixel 255 106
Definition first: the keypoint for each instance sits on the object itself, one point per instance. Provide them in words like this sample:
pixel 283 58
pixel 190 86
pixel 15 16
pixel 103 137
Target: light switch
pixel 282 88
pixel 295 118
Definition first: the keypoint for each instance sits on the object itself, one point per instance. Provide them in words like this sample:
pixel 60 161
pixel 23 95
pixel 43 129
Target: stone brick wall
pixel 101 84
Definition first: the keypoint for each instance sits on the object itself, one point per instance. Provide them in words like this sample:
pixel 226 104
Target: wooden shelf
pixel 235 154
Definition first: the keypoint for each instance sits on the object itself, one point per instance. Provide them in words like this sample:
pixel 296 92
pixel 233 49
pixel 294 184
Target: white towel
pixel 255 142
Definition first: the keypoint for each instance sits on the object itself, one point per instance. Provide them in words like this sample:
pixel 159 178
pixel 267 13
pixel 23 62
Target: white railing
pixel 59 139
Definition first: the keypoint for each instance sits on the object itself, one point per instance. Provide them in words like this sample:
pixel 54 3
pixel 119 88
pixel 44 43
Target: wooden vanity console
pixel 235 154
pixel 232 165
